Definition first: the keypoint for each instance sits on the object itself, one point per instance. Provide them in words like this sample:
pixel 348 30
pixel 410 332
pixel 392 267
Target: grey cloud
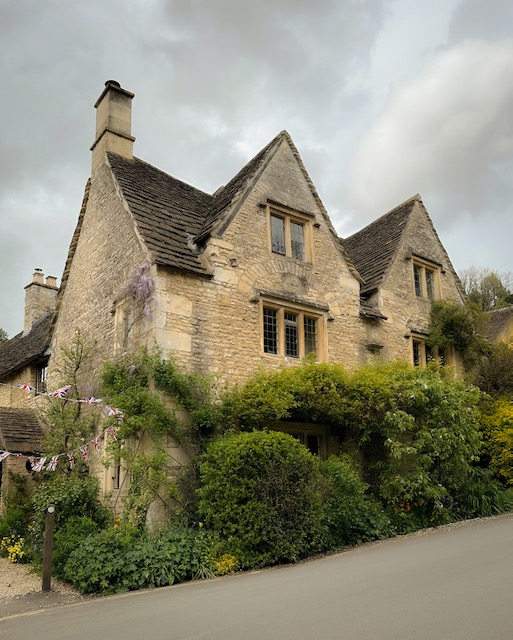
pixel 475 19
pixel 447 133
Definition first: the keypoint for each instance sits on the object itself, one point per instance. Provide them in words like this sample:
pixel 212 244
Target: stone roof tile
pixel 21 350
pixel 371 249
pixel 499 320
pixel 167 212
pixel 20 431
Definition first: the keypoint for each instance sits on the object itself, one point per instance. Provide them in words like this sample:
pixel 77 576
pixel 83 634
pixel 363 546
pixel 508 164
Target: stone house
pixel 501 325
pixel 24 361
pixel 405 268
pixel 253 275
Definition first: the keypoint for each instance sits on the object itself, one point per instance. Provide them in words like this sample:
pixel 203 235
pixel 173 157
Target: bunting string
pixel 39 464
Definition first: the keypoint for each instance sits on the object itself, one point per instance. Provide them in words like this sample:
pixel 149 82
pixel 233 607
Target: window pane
pixel 297 240
pixel 313 444
pixel 270 317
pixel 430 354
pixel 278 235
pixel 430 284
pixel 41 375
pixel 417 361
pixel 291 336
pixel 417 277
pixel 310 327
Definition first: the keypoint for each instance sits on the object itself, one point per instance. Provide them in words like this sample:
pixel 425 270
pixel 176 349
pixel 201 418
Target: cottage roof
pixel 371 249
pixel 172 216
pixel 23 349
pixel 169 213
pixel 20 431
pixel 499 320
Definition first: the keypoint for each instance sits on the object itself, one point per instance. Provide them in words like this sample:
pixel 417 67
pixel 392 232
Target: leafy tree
pixel 487 288
pixel 3 336
pixel 415 430
pixel 498 431
pixel 460 327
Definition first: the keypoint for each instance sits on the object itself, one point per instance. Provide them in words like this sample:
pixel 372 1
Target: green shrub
pixel 16 514
pixel 351 515
pixel 125 559
pixel 68 538
pixel 480 496
pixel 72 495
pixel 261 492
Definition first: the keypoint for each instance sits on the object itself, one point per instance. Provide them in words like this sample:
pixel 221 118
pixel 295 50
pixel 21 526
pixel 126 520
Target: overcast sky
pixel 383 98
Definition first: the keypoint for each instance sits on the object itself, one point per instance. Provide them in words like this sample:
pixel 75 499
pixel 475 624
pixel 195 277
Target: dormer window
pixel 426 279
pixel 289 234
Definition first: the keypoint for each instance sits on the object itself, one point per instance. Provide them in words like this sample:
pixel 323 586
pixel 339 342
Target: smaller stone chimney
pixel 113 123
pixel 40 297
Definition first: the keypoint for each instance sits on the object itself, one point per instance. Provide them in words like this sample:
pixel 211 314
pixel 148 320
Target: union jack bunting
pixel 59 393
pixel 71 459
pixel 91 400
pixel 111 411
pixel 52 465
pixel 84 452
pixel 4 455
pixel 96 443
pixel 112 432
pixel 25 387
pixel 38 466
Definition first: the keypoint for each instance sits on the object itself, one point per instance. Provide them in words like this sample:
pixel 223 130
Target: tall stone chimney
pixel 40 297
pixel 113 123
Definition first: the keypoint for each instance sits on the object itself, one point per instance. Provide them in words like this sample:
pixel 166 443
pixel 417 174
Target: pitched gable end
pixel 372 249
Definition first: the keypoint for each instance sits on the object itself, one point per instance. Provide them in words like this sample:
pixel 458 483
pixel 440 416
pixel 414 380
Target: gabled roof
pixel 238 186
pixel 20 431
pixel 169 213
pixel 174 219
pixel 499 320
pixel 372 249
pixel 21 350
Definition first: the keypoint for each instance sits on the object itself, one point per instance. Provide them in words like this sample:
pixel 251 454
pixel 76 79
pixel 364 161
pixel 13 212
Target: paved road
pixel 454 584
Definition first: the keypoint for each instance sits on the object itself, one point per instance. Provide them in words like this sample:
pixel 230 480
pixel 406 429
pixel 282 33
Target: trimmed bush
pixel 262 493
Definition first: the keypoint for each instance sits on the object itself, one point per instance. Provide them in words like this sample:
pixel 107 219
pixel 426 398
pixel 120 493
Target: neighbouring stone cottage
pixel 252 275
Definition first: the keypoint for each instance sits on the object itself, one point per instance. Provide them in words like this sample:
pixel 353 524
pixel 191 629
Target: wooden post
pixel 48 548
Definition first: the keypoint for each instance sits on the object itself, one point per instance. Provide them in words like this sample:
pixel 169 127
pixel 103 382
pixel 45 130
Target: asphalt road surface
pixel 447 584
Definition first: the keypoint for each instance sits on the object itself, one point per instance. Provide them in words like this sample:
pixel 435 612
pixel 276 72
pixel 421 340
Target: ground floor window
pixel 314 437
pixel 423 353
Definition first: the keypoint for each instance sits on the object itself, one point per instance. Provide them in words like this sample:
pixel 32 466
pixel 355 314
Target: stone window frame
pixel 422 353
pixel 314 437
pixel 302 312
pixel 41 378
pixel 291 217
pixel 426 286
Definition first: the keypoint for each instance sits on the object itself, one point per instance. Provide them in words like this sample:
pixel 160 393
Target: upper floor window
pixel 41 377
pixel 290 234
pixel 292 332
pixel 426 280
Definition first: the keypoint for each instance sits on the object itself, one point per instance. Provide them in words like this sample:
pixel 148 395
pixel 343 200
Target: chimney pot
pixel 38 277
pixel 113 123
pixel 39 298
